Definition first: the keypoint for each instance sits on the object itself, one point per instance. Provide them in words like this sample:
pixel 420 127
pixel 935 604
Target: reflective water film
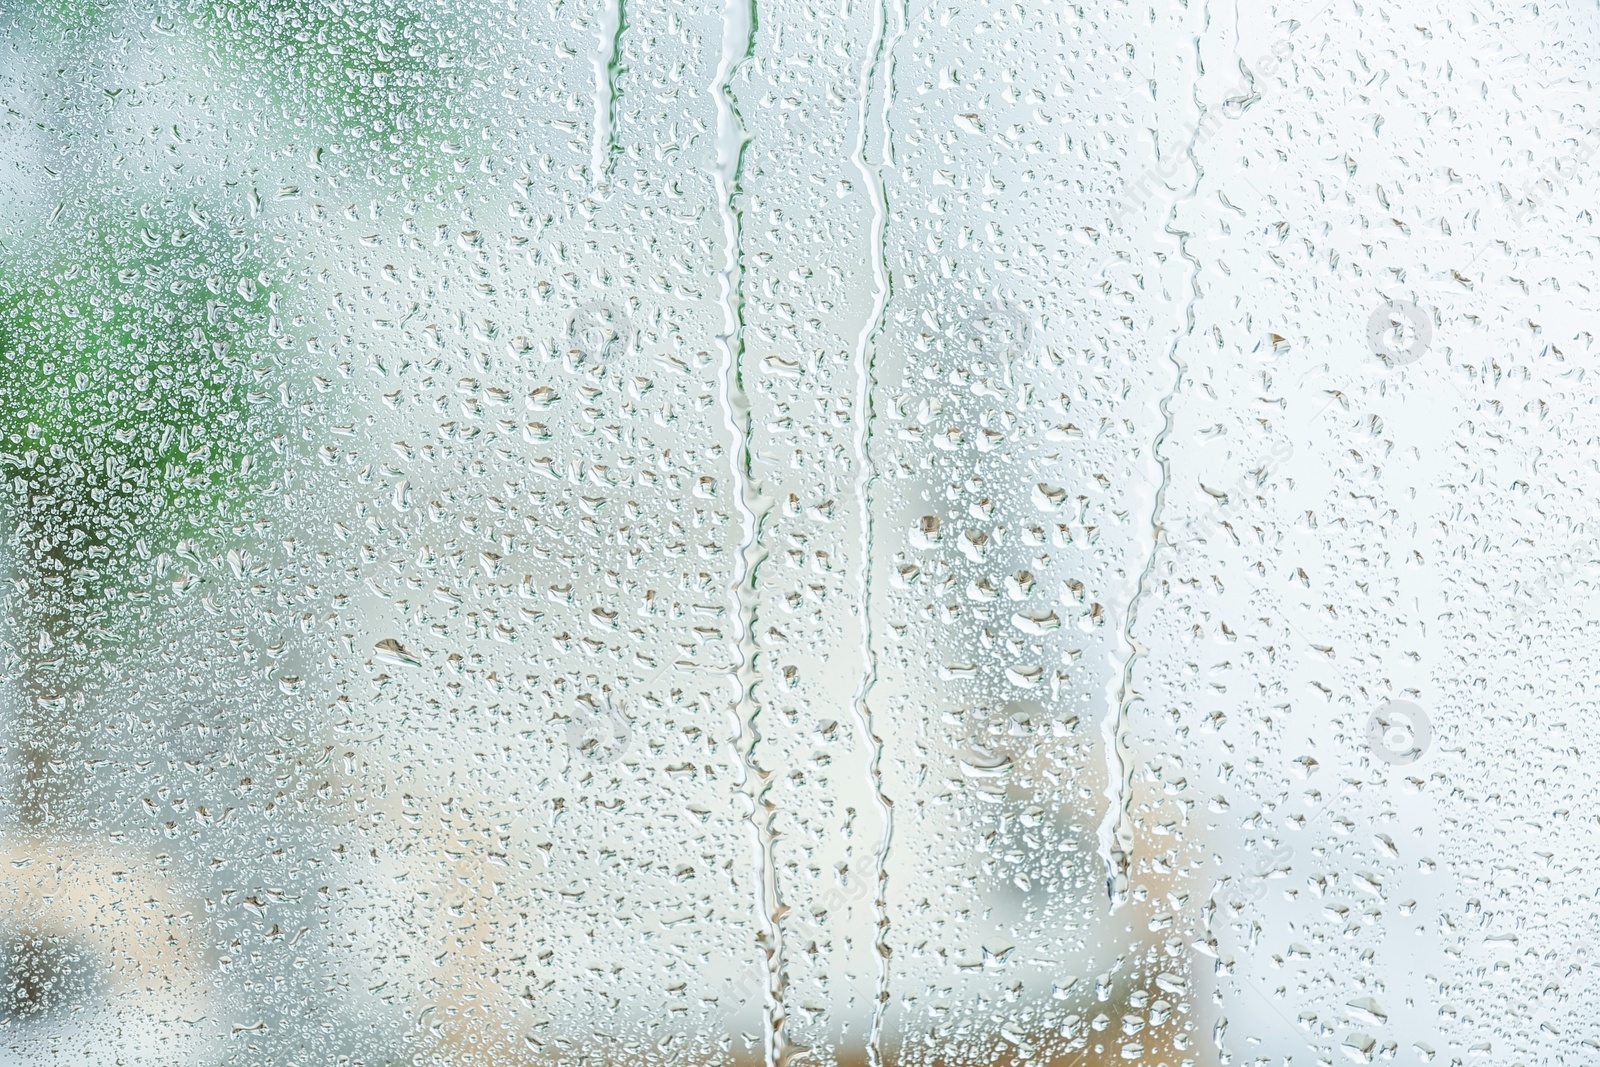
pixel 868 533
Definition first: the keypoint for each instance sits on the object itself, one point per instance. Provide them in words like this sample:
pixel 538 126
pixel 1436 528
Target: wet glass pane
pixel 869 533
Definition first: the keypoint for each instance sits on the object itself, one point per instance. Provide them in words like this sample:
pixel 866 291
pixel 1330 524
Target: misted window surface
pixel 866 532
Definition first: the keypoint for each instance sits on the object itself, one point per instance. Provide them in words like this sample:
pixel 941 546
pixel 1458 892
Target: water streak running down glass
pixel 866 534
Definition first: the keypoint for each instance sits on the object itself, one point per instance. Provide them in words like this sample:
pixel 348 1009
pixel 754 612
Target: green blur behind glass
pixel 130 403
pixel 371 75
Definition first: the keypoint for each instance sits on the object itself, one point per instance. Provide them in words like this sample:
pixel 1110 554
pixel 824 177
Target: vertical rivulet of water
pixel 1116 831
pixel 607 59
pixel 738 40
pixel 876 73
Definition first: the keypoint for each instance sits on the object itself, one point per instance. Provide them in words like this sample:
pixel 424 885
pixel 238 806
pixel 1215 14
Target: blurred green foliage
pixel 363 69
pixel 375 76
pixel 127 401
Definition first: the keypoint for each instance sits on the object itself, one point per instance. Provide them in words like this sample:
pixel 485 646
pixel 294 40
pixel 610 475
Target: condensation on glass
pixel 859 533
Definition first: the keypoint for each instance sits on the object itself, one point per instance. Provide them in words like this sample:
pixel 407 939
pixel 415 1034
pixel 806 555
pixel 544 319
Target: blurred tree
pixel 377 78
pixel 373 71
pixel 130 420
